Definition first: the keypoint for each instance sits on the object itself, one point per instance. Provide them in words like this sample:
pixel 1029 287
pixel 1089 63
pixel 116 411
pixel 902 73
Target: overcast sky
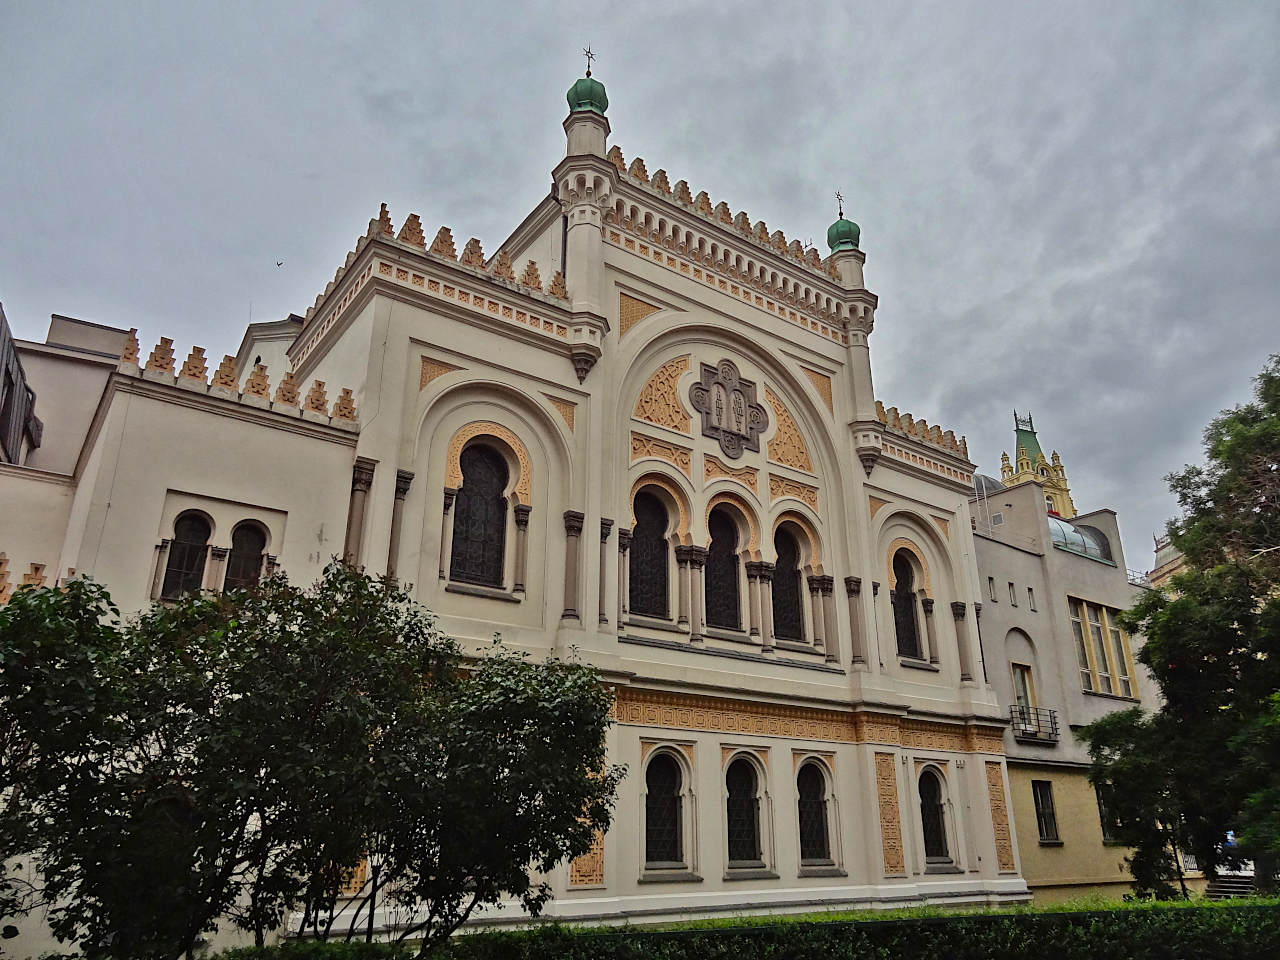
pixel 1071 209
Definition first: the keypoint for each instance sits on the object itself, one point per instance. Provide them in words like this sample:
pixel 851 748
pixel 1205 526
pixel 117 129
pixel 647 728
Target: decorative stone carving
pixel 442 245
pixel 730 412
pixel 287 392
pixel 564 408
pixel 822 383
pixel 943 524
pixel 583 360
pixel 614 156
pixel 557 287
pixel 382 224
pixel 453 466
pixel 999 817
pixel 316 400
pixel 673 491
pixel 225 375
pixel 432 368
pixel 531 277
pixel 890 823
pixel 660 182
pixel 345 407
pixel 473 254
pixel 643 446
pixel 638 171
pixel 195 367
pixel 258 385
pixel 780 487
pixel 876 503
pixel 411 232
pixel 787 447
pixel 161 359
pixel 682 193
pixel 130 352
pixel 502 266
pixel 902 543
pixel 588 869
pixel 659 400
pixel 631 311
pixel 704 204
pixel 713 469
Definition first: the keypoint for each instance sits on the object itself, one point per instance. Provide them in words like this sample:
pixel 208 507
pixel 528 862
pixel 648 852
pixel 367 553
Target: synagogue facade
pixel 644 429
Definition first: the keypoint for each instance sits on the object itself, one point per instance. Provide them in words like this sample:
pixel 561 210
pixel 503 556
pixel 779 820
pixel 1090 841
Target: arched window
pixel 723 606
pixel 244 563
pixel 788 620
pixel 648 558
pixel 662 812
pixel 742 813
pixel 480 518
pixel 932 818
pixel 904 607
pixel 815 844
pixel 184 571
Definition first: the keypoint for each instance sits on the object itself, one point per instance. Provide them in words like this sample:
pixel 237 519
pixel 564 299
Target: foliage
pixel 237 755
pixel 1209 759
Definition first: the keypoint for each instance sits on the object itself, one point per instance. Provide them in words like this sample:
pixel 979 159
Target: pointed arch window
pixel 184 569
pixel 244 562
pixel 815 842
pixel 788 618
pixel 663 846
pixel 649 558
pixel 933 818
pixel 742 814
pixel 903 597
pixel 724 608
pixel 480 518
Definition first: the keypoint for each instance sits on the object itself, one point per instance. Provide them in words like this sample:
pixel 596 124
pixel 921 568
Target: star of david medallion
pixel 730 413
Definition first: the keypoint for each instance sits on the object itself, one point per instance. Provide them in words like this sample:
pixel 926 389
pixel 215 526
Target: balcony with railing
pixel 1033 724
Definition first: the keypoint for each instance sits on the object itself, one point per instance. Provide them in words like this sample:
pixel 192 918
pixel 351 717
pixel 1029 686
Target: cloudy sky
pixel 1072 209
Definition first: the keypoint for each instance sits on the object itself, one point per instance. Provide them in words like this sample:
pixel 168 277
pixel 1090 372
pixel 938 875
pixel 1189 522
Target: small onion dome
pixel 843 235
pixel 587 94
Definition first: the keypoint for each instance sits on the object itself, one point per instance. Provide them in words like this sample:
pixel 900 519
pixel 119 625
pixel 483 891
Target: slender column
pixel 573 533
pixel 766 606
pixel 698 597
pixel 605 527
pixel 215 568
pixel 361 481
pixel 853 590
pixel 521 513
pixel 930 631
pixel 753 596
pixel 977 627
pixel 403 479
pixel 962 640
pixel 829 619
pixel 815 605
pixel 624 575
pixel 682 567
pixel 162 564
pixel 446 531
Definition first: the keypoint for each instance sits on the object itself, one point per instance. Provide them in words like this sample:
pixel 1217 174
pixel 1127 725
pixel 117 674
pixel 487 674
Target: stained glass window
pixel 742 812
pixel 788 620
pixel 723 606
pixel 648 558
pixel 244 563
pixel 904 607
pixel 814 843
pixel 662 812
pixel 184 570
pixel 931 817
pixel 480 518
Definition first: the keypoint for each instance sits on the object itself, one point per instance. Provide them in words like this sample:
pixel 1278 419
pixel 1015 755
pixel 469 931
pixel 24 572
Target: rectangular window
pixel 1013 594
pixel 1105 815
pixel 991 589
pixel 1099 648
pixel 1082 654
pixel 1031 598
pixel 1123 683
pixel 997 519
pixel 1046 819
pixel 1022 688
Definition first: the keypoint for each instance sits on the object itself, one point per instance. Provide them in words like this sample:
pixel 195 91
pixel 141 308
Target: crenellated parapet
pixel 35 576
pixel 193 376
pixel 906 424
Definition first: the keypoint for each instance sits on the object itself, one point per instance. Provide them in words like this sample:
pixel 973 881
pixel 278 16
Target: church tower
pixel 1030 464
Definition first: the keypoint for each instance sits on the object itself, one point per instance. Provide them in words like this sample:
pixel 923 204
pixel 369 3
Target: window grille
pixel 742 813
pixel 662 812
pixel 244 563
pixel 903 597
pixel 932 817
pixel 815 845
pixel 184 570
pixel 788 618
pixel 648 558
pixel 480 518
pixel 723 604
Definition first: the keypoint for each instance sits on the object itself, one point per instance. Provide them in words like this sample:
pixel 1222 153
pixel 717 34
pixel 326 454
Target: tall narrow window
pixel 903 597
pixel 1031 598
pixel 1022 687
pixel 1082 653
pixel 244 563
pixel 1013 594
pixel 991 589
pixel 1123 683
pixel 1046 818
pixel 480 518
pixel 932 818
pixel 788 620
pixel 1099 648
pixel 723 605
pixel 815 844
pixel 742 813
pixel 1106 813
pixel 662 813
pixel 648 558
pixel 184 572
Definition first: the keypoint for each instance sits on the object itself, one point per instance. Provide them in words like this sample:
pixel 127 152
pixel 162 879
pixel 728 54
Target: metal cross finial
pixel 840 203
pixel 590 56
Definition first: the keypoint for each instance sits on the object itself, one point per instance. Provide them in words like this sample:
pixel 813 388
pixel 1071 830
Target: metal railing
pixel 1138 578
pixel 1034 723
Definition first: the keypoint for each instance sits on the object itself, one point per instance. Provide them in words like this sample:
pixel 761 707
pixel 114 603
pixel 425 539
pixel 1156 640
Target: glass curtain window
pixel 1123 682
pixel 662 812
pixel 788 619
pixel 931 817
pixel 480 519
pixel 1082 654
pixel 184 570
pixel 742 813
pixel 1046 818
pixel 904 607
pixel 815 845
pixel 648 558
pixel 244 563
pixel 723 604
pixel 1099 648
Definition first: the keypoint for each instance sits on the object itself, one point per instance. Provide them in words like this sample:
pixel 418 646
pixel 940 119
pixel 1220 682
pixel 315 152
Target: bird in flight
pixel 279 263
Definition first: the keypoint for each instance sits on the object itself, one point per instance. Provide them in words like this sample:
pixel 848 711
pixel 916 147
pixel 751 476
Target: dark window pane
pixel 788 621
pixel 244 563
pixel 903 596
pixel 931 816
pixel 742 813
pixel 723 605
pixel 184 570
pixel 662 811
pixel 480 519
pixel 648 558
pixel 814 844
pixel 1046 818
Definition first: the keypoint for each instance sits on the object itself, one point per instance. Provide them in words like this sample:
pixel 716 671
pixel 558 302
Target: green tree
pixel 236 756
pixel 1211 753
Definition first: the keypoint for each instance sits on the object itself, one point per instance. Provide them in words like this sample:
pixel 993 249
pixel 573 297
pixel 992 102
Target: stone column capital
pixel 853 586
pixel 927 603
pixel 958 609
pixel 403 479
pixel 875 587
pixel 606 527
pixel 449 494
pixel 521 512
pixel 698 556
pixel 624 540
pixel 362 474
pixel 573 522
pixel 219 553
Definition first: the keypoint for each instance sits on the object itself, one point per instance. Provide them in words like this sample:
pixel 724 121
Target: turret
pixel 586 128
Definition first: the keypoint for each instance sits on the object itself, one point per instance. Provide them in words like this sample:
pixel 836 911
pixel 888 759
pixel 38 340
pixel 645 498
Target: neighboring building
pixel 1054 581
pixel 20 428
pixel 1169 562
pixel 645 429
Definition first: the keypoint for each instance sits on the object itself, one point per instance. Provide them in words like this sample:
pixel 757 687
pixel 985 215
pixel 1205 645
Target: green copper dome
pixel 843 235
pixel 587 94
